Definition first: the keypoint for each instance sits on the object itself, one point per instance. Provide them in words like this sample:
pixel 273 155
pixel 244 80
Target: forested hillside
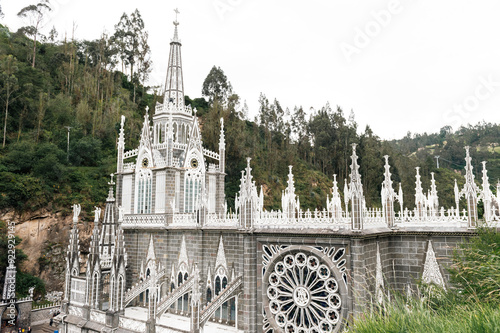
pixel 82 87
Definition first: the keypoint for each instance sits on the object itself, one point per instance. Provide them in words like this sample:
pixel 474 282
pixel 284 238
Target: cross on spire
pixel 176 13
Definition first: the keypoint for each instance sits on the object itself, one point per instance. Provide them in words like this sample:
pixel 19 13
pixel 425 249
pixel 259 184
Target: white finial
pixel 76 212
pixel 111 183
pixel 97 214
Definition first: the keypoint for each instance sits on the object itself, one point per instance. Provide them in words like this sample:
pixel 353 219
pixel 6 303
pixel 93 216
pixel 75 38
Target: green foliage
pixel 416 316
pixel 476 268
pixel 216 86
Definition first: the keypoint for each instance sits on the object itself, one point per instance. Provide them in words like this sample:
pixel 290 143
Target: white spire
pixel 335 205
pixel 470 191
pixel 220 261
pixel 121 135
pixel 174 83
pixel 419 196
pixel 222 139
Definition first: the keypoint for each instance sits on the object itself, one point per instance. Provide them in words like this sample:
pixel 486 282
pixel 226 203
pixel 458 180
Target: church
pixel 167 256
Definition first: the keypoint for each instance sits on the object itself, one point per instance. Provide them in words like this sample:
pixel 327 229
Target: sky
pixel 401 65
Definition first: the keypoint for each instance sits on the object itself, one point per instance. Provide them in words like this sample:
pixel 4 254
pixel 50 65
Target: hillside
pixel 83 87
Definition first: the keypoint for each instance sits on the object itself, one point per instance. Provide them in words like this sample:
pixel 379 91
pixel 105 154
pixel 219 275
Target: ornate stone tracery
pixel 302 290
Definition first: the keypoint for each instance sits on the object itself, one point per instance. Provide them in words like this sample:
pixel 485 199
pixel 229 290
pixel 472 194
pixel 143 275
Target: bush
pixel 476 268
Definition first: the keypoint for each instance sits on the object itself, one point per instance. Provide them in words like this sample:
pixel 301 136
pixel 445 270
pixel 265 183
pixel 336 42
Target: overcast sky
pixel 402 65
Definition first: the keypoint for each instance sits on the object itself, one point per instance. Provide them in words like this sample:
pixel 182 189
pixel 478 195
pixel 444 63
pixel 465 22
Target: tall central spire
pixel 174 84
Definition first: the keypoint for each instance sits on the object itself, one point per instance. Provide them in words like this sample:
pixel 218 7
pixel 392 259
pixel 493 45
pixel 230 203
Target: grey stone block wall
pixel 402 258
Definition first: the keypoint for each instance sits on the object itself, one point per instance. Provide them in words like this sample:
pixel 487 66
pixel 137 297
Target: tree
pixel 34 14
pixel 131 41
pixel 8 69
pixel 42 107
pixel 216 86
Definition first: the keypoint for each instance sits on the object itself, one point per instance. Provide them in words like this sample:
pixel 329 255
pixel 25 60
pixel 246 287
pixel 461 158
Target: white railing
pixel 45 306
pixel 129 166
pixel 450 217
pixel 211 154
pixel 213 167
pixel 171 108
pixel 130 153
pixel 180 146
pixel 184 220
pixel 160 146
pixel 222 220
pixel 143 220
pixel 373 218
pixel 315 219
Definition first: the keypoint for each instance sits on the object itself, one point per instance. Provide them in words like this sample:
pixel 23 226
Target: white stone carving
pixel 132 324
pixel 432 273
pixel 75 311
pixel 143 221
pixel 183 256
pixel 221 259
pixel 379 279
pixel 97 316
pixel 76 212
pixel 303 294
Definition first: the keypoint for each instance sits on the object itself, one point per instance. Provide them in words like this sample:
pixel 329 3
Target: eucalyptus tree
pixel 8 69
pixel 34 15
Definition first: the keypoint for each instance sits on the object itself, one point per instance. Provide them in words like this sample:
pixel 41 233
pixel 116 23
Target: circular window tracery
pixel 303 294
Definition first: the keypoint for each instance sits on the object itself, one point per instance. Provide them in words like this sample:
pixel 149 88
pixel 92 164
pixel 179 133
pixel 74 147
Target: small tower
pixel 248 202
pixel 355 193
pixel 73 254
pixel 222 147
pixel 486 195
pixel 432 199
pixel 470 191
pixel 419 197
pixel 119 159
pixel 335 204
pixel 108 228
pixel 289 201
pixel 388 195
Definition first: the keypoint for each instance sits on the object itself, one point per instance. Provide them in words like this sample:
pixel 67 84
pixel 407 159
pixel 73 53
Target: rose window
pixel 303 294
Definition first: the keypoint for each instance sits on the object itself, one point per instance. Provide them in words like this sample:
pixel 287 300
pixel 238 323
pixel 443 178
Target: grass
pixel 471 304
pixel 418 317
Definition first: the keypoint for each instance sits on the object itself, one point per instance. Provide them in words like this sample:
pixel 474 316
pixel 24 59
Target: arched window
pixel 209 295
pixel 144 189
pixel 217 286
pixel 95 290
pixel 192 190
pixel 119 298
